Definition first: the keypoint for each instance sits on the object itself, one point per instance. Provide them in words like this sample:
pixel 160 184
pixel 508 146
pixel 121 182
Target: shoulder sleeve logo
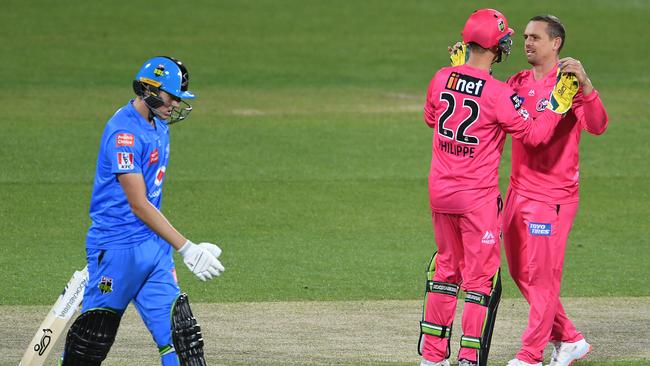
pixel 125 139
pixel 125 161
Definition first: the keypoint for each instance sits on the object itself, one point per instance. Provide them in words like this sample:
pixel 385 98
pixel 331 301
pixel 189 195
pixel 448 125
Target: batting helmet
pixel 167 74
pixel 487 28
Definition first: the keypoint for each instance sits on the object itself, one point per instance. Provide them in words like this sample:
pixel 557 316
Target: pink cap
pixel 486 27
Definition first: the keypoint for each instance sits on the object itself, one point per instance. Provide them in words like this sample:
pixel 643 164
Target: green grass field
pixel 306 155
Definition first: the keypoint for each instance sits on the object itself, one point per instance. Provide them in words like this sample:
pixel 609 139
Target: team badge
pixel 106 285
pixel 160 70
pixel 125 139
pixel 501 24
pixel 541 105
pixel 539 229
pixel 125 161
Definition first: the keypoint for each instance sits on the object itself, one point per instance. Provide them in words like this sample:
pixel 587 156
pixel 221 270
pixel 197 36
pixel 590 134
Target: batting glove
pixel 202 259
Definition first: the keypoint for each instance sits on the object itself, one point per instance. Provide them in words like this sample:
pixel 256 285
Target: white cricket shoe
pixel 518 362
pixel 465 362
pixel 569 352
pixel 431 363
pixel 556 351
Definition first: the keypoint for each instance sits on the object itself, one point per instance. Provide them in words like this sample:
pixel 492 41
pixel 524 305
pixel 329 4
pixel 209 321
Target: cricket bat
pixel 56 321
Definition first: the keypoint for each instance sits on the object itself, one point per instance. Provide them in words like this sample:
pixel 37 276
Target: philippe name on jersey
pixel 452 148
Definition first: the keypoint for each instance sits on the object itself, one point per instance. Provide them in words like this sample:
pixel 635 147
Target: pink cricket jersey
pixel 549 173
pixel 470 113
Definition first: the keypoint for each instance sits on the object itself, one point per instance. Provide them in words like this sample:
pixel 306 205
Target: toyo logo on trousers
pixel 539 229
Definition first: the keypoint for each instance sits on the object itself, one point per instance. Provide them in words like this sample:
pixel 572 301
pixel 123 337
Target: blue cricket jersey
pixel 129 144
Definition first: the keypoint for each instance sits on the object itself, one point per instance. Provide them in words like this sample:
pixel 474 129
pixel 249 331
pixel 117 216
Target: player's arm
pixel 588 106
pixel 429 105
pixel 516 120
pixel 201 259
pixel 136 193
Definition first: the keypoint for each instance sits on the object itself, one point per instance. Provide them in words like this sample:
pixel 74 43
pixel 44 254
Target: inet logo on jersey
pixel 488 238
pixel 539 229
pixel 125 161
pixel 465 84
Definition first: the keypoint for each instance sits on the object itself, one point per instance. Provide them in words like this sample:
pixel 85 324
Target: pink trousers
pixel 535 235
pixel 468 255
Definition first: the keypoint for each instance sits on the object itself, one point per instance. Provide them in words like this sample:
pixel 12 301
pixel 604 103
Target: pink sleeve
pixel 591 112
pixel 429 107
pixel 515 120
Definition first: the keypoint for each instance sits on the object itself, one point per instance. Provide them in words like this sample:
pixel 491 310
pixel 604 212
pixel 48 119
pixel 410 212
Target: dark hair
pixel 554 27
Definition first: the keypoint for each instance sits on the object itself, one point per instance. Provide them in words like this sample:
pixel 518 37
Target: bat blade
pixel 56 320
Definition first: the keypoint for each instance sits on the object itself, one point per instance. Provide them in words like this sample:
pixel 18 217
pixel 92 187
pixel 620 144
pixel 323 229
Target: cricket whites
pixel 56 321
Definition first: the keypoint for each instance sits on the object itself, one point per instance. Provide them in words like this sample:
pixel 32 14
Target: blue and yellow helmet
pixel 167 74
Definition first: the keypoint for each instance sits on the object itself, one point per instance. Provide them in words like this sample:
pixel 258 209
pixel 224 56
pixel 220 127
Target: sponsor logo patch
pixel 465 84
pixel 541 105
pixel 153 157
pixel 125 161
pixel 524 114
pixel 160 70
pixel 516 101
pixel 488 238
pixel 125 139
pixel 539 229
pixel 160 174
pixel 106 285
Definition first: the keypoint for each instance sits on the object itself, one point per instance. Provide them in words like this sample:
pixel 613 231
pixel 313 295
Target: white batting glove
pixel 202 259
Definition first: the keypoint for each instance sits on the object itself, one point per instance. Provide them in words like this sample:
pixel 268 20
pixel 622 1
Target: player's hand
pixel 458 54
pixel 566 87
pixel 575 67
pixel 202 259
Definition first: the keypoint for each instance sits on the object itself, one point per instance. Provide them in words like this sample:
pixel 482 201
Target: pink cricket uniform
pixel 470 112
pixel 541 204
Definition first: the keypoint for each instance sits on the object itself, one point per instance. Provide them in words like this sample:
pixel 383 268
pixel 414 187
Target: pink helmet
pixel 487 28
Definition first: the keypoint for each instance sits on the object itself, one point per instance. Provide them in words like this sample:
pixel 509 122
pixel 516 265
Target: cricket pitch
pixel 343 332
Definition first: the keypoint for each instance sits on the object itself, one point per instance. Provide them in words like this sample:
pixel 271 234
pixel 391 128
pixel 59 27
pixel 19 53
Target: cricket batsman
pixel 470 113
pixel 542 199
pixel 130 243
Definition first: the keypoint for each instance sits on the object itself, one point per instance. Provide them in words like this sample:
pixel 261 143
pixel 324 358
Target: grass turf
pixel 306 155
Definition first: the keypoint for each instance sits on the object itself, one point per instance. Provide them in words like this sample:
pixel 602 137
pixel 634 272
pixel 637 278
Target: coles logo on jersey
pixel 153 157
pixel 125 161
pixel 539 229
pixel 125 139
pixel 160 174
pixel 541 105
pixel 465 84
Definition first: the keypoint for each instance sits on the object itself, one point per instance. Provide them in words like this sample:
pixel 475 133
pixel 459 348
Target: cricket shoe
pixel 431 363
pixel 566 353
pixel 518 362
pixel 465 362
